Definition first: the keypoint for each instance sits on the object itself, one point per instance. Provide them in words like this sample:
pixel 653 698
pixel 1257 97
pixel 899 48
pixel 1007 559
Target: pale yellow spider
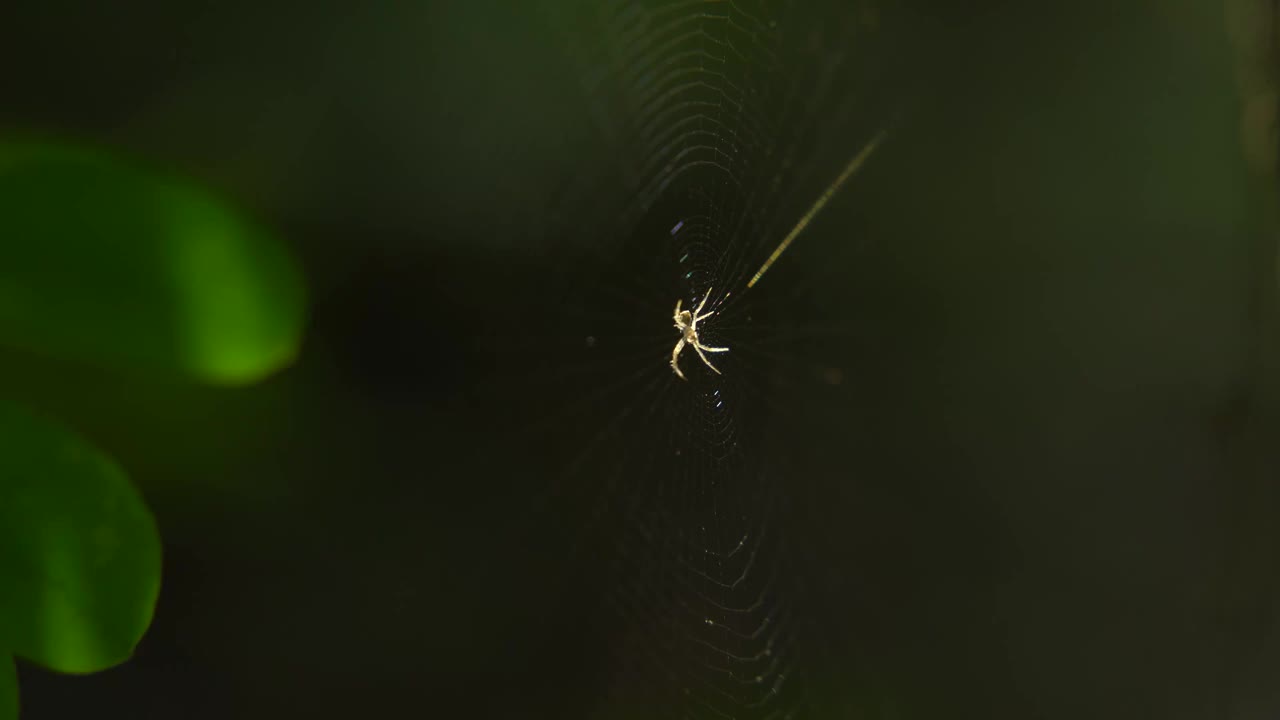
pixel 687 324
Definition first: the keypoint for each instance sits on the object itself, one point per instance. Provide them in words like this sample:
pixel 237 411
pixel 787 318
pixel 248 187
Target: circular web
pixel 713 127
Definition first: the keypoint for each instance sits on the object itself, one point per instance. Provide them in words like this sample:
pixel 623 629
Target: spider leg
pixel 675 354
pixel 701 304
pixel 710 312
pixel 698 347
pixel 711 349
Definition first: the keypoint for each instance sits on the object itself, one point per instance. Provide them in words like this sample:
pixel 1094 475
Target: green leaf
pixel 79 551
pixel 105 262
pixel 8 688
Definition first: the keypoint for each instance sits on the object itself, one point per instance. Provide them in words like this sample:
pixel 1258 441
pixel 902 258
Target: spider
pixel 687 324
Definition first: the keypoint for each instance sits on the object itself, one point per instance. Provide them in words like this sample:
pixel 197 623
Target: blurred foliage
pixel 107 263
pixel 8 689
pixel 79 551
pixel 118 266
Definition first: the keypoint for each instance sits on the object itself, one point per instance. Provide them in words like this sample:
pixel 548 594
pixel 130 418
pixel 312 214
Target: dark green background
pixel 1056 477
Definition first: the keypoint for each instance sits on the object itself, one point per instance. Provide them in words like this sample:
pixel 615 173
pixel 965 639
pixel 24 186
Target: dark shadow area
pixel 994 439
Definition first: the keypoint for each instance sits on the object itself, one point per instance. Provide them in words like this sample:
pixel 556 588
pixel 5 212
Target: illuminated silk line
pixel 831 190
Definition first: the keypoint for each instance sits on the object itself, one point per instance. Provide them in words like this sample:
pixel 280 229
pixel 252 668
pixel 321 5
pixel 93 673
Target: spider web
pixel 711 128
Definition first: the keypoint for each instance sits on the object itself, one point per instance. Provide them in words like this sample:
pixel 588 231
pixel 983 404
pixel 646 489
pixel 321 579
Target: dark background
pixel 1044 484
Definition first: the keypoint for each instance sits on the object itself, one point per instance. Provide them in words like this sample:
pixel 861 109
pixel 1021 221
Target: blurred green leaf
pixel 79 551
pixel 105 262
pixel 8 689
